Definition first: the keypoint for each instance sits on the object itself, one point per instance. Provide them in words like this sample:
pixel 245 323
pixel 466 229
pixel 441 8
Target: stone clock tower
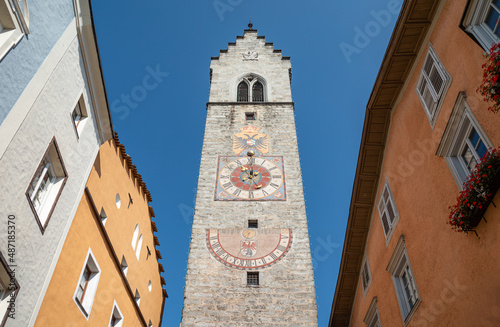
pixel 249 261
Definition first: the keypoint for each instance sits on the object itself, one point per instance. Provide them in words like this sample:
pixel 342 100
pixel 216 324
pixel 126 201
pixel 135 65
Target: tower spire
pixel 250 25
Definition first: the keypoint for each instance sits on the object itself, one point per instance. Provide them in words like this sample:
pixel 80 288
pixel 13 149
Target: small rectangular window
pixel 103 216
pixel 116 319
pixel 79 115
pixel 124 266
pixel 87 284
pixel 366 277
pixel 387 211
pixel 253 223
pixel 372 318
pixel 404 281
pixel 137 297
pixel 249 115
pixel 253 278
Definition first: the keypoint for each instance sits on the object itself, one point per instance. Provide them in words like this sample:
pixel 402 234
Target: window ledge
pixel 412 312
pixel 8 40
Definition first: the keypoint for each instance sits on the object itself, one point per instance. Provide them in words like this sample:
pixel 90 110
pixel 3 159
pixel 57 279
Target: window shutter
pixel 385 223
pixel 427 96
pixel 437 81
pixel 431 84
pixel 390 211
pixel 365 276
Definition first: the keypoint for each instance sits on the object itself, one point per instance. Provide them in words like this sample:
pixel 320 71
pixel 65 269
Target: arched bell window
pixel 251 88
pixel 243 92
pixel 258 92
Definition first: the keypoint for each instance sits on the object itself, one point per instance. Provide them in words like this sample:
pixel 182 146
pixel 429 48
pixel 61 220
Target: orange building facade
pixel 108 273
pixel 425 128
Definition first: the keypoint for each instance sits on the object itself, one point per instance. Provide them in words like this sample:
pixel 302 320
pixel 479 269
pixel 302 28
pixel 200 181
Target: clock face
pixel 250 178
pixel 250 249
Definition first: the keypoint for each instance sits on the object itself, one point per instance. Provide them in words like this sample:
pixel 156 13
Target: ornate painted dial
pixel 249 249
pixel 257 178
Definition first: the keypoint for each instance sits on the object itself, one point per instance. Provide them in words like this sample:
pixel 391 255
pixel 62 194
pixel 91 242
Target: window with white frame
pixel 432 85
pixel 9 288
pixel 79 115
pixel 116 319
pixel 404 281
pixel 47 184
pixel 464 142
pixel 482 21
pixel 366 276
pixel 14 23
pixel 387 211
pixel 87 284
pixel 372 318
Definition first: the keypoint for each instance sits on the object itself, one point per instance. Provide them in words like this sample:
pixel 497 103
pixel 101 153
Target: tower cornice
pixel 286 103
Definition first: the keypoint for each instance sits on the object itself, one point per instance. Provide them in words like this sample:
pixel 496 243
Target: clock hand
pixel 244 178
pixel 257 186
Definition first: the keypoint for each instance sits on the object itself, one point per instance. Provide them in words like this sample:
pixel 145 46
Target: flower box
pixel 478 192
pixel 478 213
pixel 490 85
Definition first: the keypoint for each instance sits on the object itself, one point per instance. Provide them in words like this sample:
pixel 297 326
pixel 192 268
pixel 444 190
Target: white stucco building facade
pixel 53 121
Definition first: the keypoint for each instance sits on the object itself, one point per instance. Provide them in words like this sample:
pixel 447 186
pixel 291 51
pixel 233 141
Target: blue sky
pixel 156 56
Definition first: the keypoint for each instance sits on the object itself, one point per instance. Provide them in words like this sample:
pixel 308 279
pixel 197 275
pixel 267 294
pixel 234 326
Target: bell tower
pixel 250 260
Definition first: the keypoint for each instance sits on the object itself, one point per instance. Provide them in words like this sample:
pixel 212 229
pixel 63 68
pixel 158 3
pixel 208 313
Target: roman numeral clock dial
pixel 250 179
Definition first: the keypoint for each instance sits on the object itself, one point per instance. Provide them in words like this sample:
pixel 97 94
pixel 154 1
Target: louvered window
pixel 387 211
pixel 432 84
pixel 258 92
pixel 243 92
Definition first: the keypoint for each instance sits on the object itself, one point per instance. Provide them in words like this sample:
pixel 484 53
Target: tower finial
pixel 250 25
